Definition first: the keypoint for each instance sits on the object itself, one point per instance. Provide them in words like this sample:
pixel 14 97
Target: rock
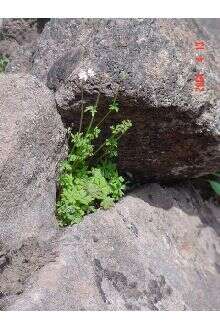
pixel 157 249
pixel 3 262
pixel 212 27
pixel 8 47
pixel 19 29
pixel 20 58
pixel 151 64
pixel 31 144
pixel 18 38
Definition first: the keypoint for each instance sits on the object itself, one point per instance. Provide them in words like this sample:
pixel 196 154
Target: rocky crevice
pixel 159 247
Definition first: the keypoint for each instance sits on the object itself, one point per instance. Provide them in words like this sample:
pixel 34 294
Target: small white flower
pixel 83 75
pixel 91 73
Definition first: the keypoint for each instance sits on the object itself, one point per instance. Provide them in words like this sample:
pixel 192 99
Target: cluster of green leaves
pixel 89 178
pixel 215 183
pixel 3 62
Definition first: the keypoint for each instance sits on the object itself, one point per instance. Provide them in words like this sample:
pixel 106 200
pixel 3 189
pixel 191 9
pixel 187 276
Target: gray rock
pixel 18 38
pixel 22 30
pixel 212 27
pixel 157 249
pixel 20 57
pixel 31 144
pixel 151 64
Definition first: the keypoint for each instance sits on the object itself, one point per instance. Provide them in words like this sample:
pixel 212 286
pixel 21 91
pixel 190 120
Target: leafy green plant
pixel 3 63
pixel 89 178
pixel 215 183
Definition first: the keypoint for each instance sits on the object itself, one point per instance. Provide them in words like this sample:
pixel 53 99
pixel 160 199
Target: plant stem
pixel 97 100
pixel 90 124
pixel 96 106
pixel 101 121
pixel 102 145
pixel 99 148
pixel 82 112
pixel 108 113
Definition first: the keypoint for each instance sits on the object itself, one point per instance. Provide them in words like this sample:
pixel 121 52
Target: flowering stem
pixel 102 145
pixel 82 112
pixel 101 121
pixel 96 105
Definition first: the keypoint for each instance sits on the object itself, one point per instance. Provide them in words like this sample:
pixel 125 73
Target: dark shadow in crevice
pixel 41 22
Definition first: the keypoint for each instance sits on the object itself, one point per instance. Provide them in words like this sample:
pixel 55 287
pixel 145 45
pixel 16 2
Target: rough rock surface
pixel 151 64
pixel 157 249
pixel 31 144
pixel 212 27
pixel 18 38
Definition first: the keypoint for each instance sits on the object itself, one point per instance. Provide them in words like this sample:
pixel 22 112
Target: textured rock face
pixel 151 64
pixel 18 37
pixel 31 144
pixel 157 249
pixel 212 27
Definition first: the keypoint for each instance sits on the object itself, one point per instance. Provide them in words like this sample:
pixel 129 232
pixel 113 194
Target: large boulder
pixel 157 249
pixel 32 137
pixel 150 64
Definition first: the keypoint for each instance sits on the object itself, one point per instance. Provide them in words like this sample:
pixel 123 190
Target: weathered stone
pixel 157 249
pixel 18 38
pixel 19 29
pixel 20 57
pixel 31 144
pixel 212 27
pixel 151 64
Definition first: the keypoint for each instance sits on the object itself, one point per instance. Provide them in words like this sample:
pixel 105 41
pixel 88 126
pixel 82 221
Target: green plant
pixel 3 62
pixel 215 183
pixel 89 178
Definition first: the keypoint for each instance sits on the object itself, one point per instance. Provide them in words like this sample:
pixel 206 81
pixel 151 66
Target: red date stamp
pixel 199 45
pixel 199 81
